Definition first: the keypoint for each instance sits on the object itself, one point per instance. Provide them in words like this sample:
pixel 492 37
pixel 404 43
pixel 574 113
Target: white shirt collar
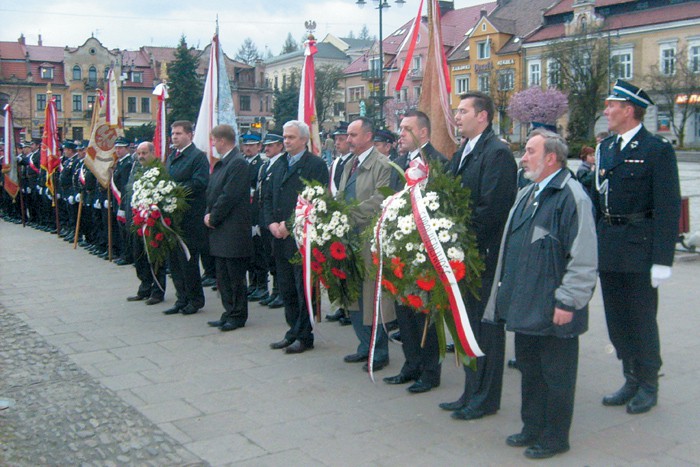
pixel 545 182
pixel 414 154
pixel 469 147
pixel 361 158
pixel 628 135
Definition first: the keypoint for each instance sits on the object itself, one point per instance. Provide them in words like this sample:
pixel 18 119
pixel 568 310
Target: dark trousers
pixel 258 264
pixel 186 278
pixel 150 286
pixel 483 387
pixel 421 362
pixel 230 279
pixel 548 365
pixel 208 264
pixel 269 258
pixel 364 333
pixel 631 305
pixel 291 285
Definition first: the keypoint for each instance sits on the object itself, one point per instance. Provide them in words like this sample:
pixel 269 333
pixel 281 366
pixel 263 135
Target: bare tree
pixel 327 79
pixel 248 52
pixel 674 83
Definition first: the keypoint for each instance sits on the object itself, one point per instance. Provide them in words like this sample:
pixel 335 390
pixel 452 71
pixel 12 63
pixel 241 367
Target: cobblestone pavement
pixel 63 416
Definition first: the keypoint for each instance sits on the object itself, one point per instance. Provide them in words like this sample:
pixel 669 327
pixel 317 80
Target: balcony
pixel 415 75
pixel 371 75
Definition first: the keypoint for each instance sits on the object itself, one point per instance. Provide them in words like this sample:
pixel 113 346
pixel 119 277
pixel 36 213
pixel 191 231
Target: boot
pixel 645 398
pixel 623 395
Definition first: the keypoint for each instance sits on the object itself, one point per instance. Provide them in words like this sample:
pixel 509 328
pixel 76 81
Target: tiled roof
pixel 566 6
pixel 325 50
pixel 12 50
pixel 45 53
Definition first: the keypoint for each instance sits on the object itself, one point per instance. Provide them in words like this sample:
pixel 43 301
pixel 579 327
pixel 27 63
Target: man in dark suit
pixel 120 176
pixel 279 204
pixel 637 196
pixel 189 167
pixel 228 219
pixel 485 165
pixel 422 364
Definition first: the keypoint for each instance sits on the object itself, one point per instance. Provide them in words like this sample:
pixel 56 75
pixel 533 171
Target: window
pixel 77 73
pixel 534 71
pixel 106 72
pixel 244 103
pixel 404 94
pixel 40 101
pixel 261 104
pixel 92 75
pixel 46 72
pixel 145 105
pixel 416 92
pixel 416 62
pixel 483 50
pixel 668 59
pixel 137 76
pixel 506 80
pixel 77 102
pixel 622 64
pixel 356 94
pixel 553 74
pixel 485 83
pixel 462 84
pixel 91 102
pixel 59 102
pixel 338 109
pixel 694 58
pixel 131 105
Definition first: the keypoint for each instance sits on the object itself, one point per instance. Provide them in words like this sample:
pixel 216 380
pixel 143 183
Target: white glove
pixel 71 200
pixel 106 204
pixel 58 195
pixel 659 273
pixel 77 198
pixel 255 231
pixel 29 191
pixel 38 188
pixel 96 204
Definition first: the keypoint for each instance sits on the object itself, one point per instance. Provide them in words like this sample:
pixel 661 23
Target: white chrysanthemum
pixel 325 236
pixel 444 236
pixel 320 190
pixel 344 219
pixel 445 223
pixel 454 237
pixel 399 203
pixel 390 250
pixel 398 235
pixel 419 259
pixel 409 246
pixel 391 215
pixel 455 253
pixel 320 205
pixel 433 206
pixel 434 224
pixel 421 247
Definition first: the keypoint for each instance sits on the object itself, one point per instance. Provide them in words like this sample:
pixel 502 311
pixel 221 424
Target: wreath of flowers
pixel 336 261
pixel 158 204
pixel 407 272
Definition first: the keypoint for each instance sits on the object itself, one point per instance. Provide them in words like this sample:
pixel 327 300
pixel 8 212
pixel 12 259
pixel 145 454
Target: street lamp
pixel 382 4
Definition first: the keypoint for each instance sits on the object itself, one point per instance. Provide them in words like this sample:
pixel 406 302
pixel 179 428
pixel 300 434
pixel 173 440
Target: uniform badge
pixel 602 172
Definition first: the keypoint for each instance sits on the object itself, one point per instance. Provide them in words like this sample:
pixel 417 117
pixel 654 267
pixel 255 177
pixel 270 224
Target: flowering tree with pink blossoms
pixel 537 105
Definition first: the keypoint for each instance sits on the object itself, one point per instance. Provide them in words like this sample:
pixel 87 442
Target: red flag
pixel 307 96
pixel 50 158
pixel 9 156
pixel 160 138
pixel 413 34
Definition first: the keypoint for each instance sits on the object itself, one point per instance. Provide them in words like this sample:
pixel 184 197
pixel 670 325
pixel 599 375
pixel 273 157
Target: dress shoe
pixel 135 298
pixel 540 452
pixel 377 365
pixel 258 295
pixel 623 395
pixel 644 400
pixel 172 311
pixel 230 326
pixel 399 379
pixel 335 316
pixel 467 413
pixel 208 282
pixel 281 344
pixel 344 321
pixel 396 336
pixel 354 358
pixel 298 347
pixel 153 300
pixel 459 404
pixel 520 440
pixel 266 301
pixel 513 363
pixel 189 310
pixel 276 303
pixel 216 324
pixel 450 348
pixel 120 262
pixel 421 386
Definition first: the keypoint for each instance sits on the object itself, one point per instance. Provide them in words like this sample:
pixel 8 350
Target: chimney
pixel 482 13
pixel 21 39
pixel 446 6
pixel 39 42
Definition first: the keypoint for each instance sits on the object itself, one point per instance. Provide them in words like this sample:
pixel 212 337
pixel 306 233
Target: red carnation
pixel 375 259
pixel 459 269
pixel 160 236
pixel 167 221
pixel 154 244
pixel 147 232
pixel 415 301
pixel 390 287
pixel 139 232
pixel 316 267
pixel 398 267
pixel 425 284
pixel 425 312
pixel 318 254
pixel 155 214
pixel 339 274
pixel 150 222
pixel 338 251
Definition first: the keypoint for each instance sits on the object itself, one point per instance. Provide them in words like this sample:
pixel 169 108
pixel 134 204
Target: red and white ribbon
pixel 302 212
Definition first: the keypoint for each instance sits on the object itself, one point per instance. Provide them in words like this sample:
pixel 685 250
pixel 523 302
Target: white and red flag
pixel 307 95
pixel 9 156
pixel 160 137
pixel 106 128
pixel 50 157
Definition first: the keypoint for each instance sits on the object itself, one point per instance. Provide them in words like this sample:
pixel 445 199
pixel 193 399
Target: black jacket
pixel 397 181
pixel 228 206
pixel 191 170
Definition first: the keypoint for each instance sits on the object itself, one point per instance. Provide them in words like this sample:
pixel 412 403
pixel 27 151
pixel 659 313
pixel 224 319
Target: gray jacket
pixel 557 268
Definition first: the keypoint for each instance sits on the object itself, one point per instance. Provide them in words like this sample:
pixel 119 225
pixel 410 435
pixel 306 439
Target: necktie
pixel 465 154
pixel 618 145
pixel 177 153
pixel 533 194
pixel 354 167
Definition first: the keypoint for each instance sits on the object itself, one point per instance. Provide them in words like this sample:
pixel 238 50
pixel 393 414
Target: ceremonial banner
pixel 100 152
pixel 217 102
pixel 50 157
pixel 307 96
pixel 435 94
pixel 160 137
pixel 412 37
pixel 9 156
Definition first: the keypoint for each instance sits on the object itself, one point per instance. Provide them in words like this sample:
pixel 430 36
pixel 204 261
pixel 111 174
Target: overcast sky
pixel 129 24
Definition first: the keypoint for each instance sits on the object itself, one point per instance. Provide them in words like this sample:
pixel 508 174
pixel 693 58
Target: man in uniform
pixel 485 165
pixel 120 176
pixel 384 141
pixel 637 197
pixel 65 181
pixel 257 270
pixel 189 167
